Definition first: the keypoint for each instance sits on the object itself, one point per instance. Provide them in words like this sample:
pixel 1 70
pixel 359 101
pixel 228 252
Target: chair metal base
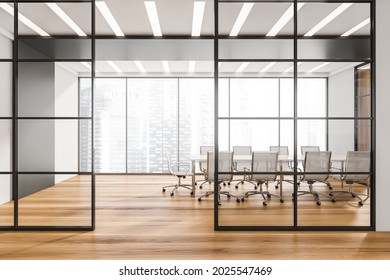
pixel 227 193
pixel 315 194
pixel 353 194
pixel 179 185
pixel 262 193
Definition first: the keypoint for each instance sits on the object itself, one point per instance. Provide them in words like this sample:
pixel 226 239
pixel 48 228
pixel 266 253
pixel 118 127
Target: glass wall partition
pixel 7 206
pixel 40 116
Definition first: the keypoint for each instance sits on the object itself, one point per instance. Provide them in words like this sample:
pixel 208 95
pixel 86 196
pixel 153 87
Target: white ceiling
pixel 176 19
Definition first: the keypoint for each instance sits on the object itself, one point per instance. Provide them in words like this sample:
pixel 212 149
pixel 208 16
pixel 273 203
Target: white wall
pixel 66 131
pixel 382 115
pixel 5 125
pixel 341 104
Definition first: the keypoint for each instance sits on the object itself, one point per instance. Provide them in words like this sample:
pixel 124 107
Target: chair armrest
pixel 185 165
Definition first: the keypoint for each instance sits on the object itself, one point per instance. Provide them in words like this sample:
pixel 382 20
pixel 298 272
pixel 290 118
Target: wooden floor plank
pixel 135 220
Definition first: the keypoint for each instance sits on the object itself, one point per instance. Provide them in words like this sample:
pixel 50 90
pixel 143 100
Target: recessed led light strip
pixel 139 66
pixel 266 68
pixel 338 11
pixel 55 8
pixel 245 10
pixel 105 11
pixel 291 68
pixel 318 67
pixel 242 67
pixel 165 65
pixel 197 17
pixel 24 20
pixel 191 66
pixel 153 17
pixel 114 66
pixel 284 19
pixel 356 28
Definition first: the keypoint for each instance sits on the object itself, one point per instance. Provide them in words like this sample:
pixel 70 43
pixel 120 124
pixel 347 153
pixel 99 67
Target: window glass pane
pixel 110 125
pixel 254 97
pixel 311 97
pixel 196 112
pixel 312 133
pixel 151 124
pixel 287 97
pixel 260 134
pixel 223 97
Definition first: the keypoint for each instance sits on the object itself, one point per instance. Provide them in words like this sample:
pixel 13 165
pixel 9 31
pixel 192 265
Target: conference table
pixel 248 159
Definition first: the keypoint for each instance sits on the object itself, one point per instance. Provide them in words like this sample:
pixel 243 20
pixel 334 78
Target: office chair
pixel 285 166
pixel 357 161
pixel 180 171
pixel 305 149
pixel 242 166
pixel 203 166
pixel 225 164
pixel 316 162
pixel 263 162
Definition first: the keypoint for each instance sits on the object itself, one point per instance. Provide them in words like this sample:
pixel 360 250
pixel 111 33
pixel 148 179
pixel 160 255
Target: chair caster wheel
pixel 229 183
pixel 330 187
pixel 200 187
pixel 224 184
pixel 207 195
pixel 199 199
pixel 353 195
pixel 228 196
pixel 292 199
pixel 242 199
pixel 236 187
pixel 242 182
pixel 172 194
pixel 264 203
pixel 164 190
pixel 255 187
pixel 276 187
pixel 196 183
pixel 238 200
pixel 318 203
pixel 268 195
pixel 361 203
pixel 331 194
pixel 298 183
pixel 333 200
pixel 191 193
pixel 281 200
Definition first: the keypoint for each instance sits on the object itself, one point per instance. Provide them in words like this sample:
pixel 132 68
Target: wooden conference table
pixel 248 158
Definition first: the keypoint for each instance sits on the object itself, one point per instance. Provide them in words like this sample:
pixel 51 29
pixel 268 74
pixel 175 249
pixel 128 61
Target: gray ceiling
pixel 176 19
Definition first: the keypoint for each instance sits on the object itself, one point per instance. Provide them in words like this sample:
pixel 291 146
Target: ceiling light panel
pixel 114 66
pixel 105 11
pixel 242 16
pixel 334 14
pixel 61 14
pixel 151 9
pixel 318 67
pixel 284 19
pixel 269 66
pixel 140 66
pixel 197 17
pixel 242 67
pixel 191 66
pixel 356 28
pixel 25 18
pixel 166 67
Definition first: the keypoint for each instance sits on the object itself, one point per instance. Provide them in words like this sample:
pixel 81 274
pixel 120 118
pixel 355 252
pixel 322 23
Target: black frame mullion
pixel 15 121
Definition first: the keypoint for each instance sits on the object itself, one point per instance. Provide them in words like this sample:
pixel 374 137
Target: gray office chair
pixel 203 166
pixel 180 171
pixel 242 166
pixel 305 149
pixel 285 166
pixel 357 161
pixel 316 162
pixel 263 162
pixel 225 164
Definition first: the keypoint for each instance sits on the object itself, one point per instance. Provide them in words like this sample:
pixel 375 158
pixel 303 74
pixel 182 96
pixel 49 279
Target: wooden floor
pixel 135 220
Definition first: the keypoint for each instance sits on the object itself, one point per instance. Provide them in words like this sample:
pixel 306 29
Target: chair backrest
pixel 305 149
pixel 317 162
pixel 242 150
pixel 169 159
pixel 282 150
pixel 264 162
pixel 225 164
pixel 203 151
pixel 357 161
